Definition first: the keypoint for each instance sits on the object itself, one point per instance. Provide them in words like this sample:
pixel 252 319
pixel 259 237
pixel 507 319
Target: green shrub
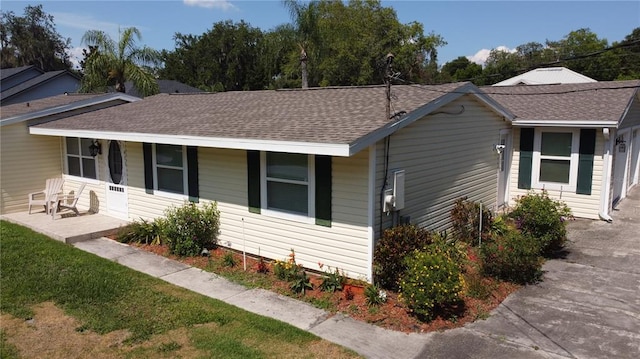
pixel 287 269
pixel 432 280
pixel 465 221
pixel 374 295
pixel 142 231
pixel 543 218
pixel 332 281
pixel 189 229
pixel 514 257
pixel 301 282
pixel 228 260
pixel 388 258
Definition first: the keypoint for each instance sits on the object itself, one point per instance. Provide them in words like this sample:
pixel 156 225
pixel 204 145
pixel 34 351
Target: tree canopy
pixel 327 43
pixel 112 63
pixel 32 39
pixel 581 51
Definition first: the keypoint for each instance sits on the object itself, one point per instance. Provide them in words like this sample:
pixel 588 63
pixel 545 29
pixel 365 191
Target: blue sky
pixel 471 28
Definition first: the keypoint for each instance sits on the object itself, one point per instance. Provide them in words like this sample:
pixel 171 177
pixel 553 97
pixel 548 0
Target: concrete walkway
pixel 588 305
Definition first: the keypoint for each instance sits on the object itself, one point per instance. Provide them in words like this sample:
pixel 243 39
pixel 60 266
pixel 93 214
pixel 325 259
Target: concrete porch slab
pixel 68 229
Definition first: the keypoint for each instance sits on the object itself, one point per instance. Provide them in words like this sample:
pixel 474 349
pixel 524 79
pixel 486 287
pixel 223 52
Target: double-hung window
pixel 288 183
pixel 290 186
pixel 555 159
pixel 170 169
pixel 78 160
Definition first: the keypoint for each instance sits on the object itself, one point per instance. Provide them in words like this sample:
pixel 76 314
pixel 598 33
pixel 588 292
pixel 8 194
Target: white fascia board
pixel 565 123
pixel 68 107
pixel 312 148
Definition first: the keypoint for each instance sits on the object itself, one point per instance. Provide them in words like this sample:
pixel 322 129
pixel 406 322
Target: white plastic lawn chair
pixel 70 201
pixel 45 198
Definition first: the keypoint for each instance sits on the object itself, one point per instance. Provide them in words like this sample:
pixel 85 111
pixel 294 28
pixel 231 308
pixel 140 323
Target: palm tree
pixel 305 18
pixel 114 63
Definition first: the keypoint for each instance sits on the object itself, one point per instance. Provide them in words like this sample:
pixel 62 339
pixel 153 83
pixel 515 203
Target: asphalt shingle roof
pixel 11 71
pixel 34 82
pixel 597 101
pixel 41 104
pixel 320 115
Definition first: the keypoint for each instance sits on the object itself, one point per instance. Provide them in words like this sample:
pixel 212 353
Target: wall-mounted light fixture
pixel 620 140
pixel 95 148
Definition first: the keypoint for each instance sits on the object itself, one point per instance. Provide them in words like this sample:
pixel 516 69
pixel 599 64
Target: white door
pixel 620 167
pixel 116 191
pixel 504 163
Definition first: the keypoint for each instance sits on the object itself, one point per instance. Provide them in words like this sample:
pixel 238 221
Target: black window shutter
pixel 192 175
pixel 526 158
pixel 253 180
pixel 148 166
pixel 323 190
pixel 585 161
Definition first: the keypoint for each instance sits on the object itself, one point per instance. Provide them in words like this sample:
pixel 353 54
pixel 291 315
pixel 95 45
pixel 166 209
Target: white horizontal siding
pixel 26 161
pixel 632 118
pixel 223 178
pixel 142 205
pixel 583 206
pixel 445 157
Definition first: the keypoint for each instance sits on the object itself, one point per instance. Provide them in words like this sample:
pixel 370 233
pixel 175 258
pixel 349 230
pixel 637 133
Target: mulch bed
pixel 392 314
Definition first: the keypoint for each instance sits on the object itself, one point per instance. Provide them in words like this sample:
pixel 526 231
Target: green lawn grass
pixel 106 296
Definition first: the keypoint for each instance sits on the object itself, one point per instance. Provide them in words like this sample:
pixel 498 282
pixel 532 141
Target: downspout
pixel 371 208
pixel 608 165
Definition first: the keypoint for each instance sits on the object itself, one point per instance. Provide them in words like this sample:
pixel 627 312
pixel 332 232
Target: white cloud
pixel 481 56
pixel 211 4
pixel 85 22
pixel 75 56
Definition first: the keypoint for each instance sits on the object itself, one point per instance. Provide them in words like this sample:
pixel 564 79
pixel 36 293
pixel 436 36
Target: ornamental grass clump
pixel 543 218
pixel 189 229
pixel 431 281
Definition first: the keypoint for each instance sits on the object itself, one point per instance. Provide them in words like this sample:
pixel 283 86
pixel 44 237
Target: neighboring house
pixel 309 170
pixel 546 76
pixel 580 142
pixel 28 83
pixel 26 160
pixel 166 86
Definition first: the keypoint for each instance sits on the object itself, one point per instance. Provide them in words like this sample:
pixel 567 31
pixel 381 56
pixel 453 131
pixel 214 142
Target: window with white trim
pixel 170 168
pixel 288 184
pixel 555 159
pixel 79 162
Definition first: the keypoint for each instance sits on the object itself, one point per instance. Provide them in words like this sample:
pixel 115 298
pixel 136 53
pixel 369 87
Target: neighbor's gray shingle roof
pixel 321 115
pixel 34 82
pixel 41 104
pixel 598 101
pixel 9 72
pixel 165 86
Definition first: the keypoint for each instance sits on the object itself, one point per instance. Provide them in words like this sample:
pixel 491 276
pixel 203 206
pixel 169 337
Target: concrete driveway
pixel 588 305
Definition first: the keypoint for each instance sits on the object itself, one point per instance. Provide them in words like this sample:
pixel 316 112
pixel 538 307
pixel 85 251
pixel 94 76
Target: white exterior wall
pixel 223 178
pixel 583 206
pixel 445 157
pixel 26 161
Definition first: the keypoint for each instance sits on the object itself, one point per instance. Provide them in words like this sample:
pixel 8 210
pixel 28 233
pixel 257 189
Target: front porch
pixel 68 228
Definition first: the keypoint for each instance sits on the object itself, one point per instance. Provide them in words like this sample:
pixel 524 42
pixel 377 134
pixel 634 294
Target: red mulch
pixel 392 314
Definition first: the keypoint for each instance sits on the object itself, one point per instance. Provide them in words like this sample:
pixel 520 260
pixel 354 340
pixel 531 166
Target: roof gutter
pixel 566 123
pixel 312 148
pixel 68 107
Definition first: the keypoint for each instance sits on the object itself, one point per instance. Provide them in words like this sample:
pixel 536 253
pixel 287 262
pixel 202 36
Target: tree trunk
pixel 303 67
